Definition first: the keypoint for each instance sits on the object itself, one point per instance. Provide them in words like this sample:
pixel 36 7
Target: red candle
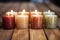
pixel 36 21
pixel 8 21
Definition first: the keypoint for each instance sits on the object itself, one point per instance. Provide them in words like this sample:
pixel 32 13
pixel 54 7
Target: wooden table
pixel 29 34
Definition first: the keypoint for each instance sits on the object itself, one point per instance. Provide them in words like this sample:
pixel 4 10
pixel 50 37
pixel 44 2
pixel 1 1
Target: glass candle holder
pixel 51 21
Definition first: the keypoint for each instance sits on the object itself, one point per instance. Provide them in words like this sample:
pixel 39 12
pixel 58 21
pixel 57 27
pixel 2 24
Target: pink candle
pixel 8 21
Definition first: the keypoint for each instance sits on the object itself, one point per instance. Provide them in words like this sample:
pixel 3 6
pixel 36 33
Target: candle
pixel 36 20
pixel 51 21
pixel 8 21
pixel 34 12
pixel 22 20
pixel 25 13
pixel 49 13
pixel 12 12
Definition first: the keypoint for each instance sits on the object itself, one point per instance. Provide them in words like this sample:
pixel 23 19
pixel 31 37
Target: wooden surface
pixel 6 34
pixel 37 34
pixel 32 34
pixel 52 34
pixel 21 34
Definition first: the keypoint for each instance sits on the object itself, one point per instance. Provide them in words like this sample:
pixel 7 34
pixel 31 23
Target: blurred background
pixel 56 2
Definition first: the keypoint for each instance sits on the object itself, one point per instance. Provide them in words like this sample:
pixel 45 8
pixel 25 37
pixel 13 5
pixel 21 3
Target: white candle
pixel 51 21
pixel 25 13
pixel 49 13
pixel 21 21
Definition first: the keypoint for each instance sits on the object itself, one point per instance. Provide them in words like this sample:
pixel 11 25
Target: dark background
pixel 56 2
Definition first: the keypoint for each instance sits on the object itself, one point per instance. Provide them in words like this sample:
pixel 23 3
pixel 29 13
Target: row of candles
pixel 33 19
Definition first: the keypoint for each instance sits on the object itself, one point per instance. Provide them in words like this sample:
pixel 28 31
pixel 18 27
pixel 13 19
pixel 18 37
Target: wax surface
pixel 51 21
pixel 8 22
pixel 22 21
pixel 36 22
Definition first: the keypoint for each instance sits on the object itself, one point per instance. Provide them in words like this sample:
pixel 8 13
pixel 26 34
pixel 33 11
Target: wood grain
pixel 37 34
pixel 5 34
pixel 21 34
pixel 53 34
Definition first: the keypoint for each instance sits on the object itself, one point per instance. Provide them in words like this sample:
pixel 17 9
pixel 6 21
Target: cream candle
pixel 36 21
pixel 25 13
pixel 21 20
pixel 51 21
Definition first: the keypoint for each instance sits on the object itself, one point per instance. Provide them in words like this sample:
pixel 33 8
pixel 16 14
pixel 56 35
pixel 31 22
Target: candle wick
pixel 23 11
pixel 36 12
pixel 49 11
pixel 8 14
pixel 11 11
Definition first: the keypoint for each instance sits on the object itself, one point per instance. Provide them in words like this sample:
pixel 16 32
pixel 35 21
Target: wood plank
pixel 15 7
pixel 21 34
pixel 53 34
pixel 58 22
pixel 32 7
pixel 6 7
pixel 23 6
pixel 37 34
pixel 5 34
pixel 2 5
pixel 41 7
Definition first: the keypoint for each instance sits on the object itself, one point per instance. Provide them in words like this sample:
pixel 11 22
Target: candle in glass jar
pixel 51 21
pixel 21 21
pixel 25 13
pixel 12 12
pixel 8 21
pixel 34 13
pixel 49 13
pixel 36 21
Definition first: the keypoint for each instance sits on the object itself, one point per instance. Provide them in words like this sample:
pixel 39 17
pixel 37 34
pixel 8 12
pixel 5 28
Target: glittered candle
pixel 22 21
pixel 36 21
pixel 8 21
pixel 51 21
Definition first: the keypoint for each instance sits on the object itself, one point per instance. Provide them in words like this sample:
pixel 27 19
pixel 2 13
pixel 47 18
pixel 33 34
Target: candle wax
pixel 36 21
pixel 21 21
pixel 51 21
pixel 8 21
